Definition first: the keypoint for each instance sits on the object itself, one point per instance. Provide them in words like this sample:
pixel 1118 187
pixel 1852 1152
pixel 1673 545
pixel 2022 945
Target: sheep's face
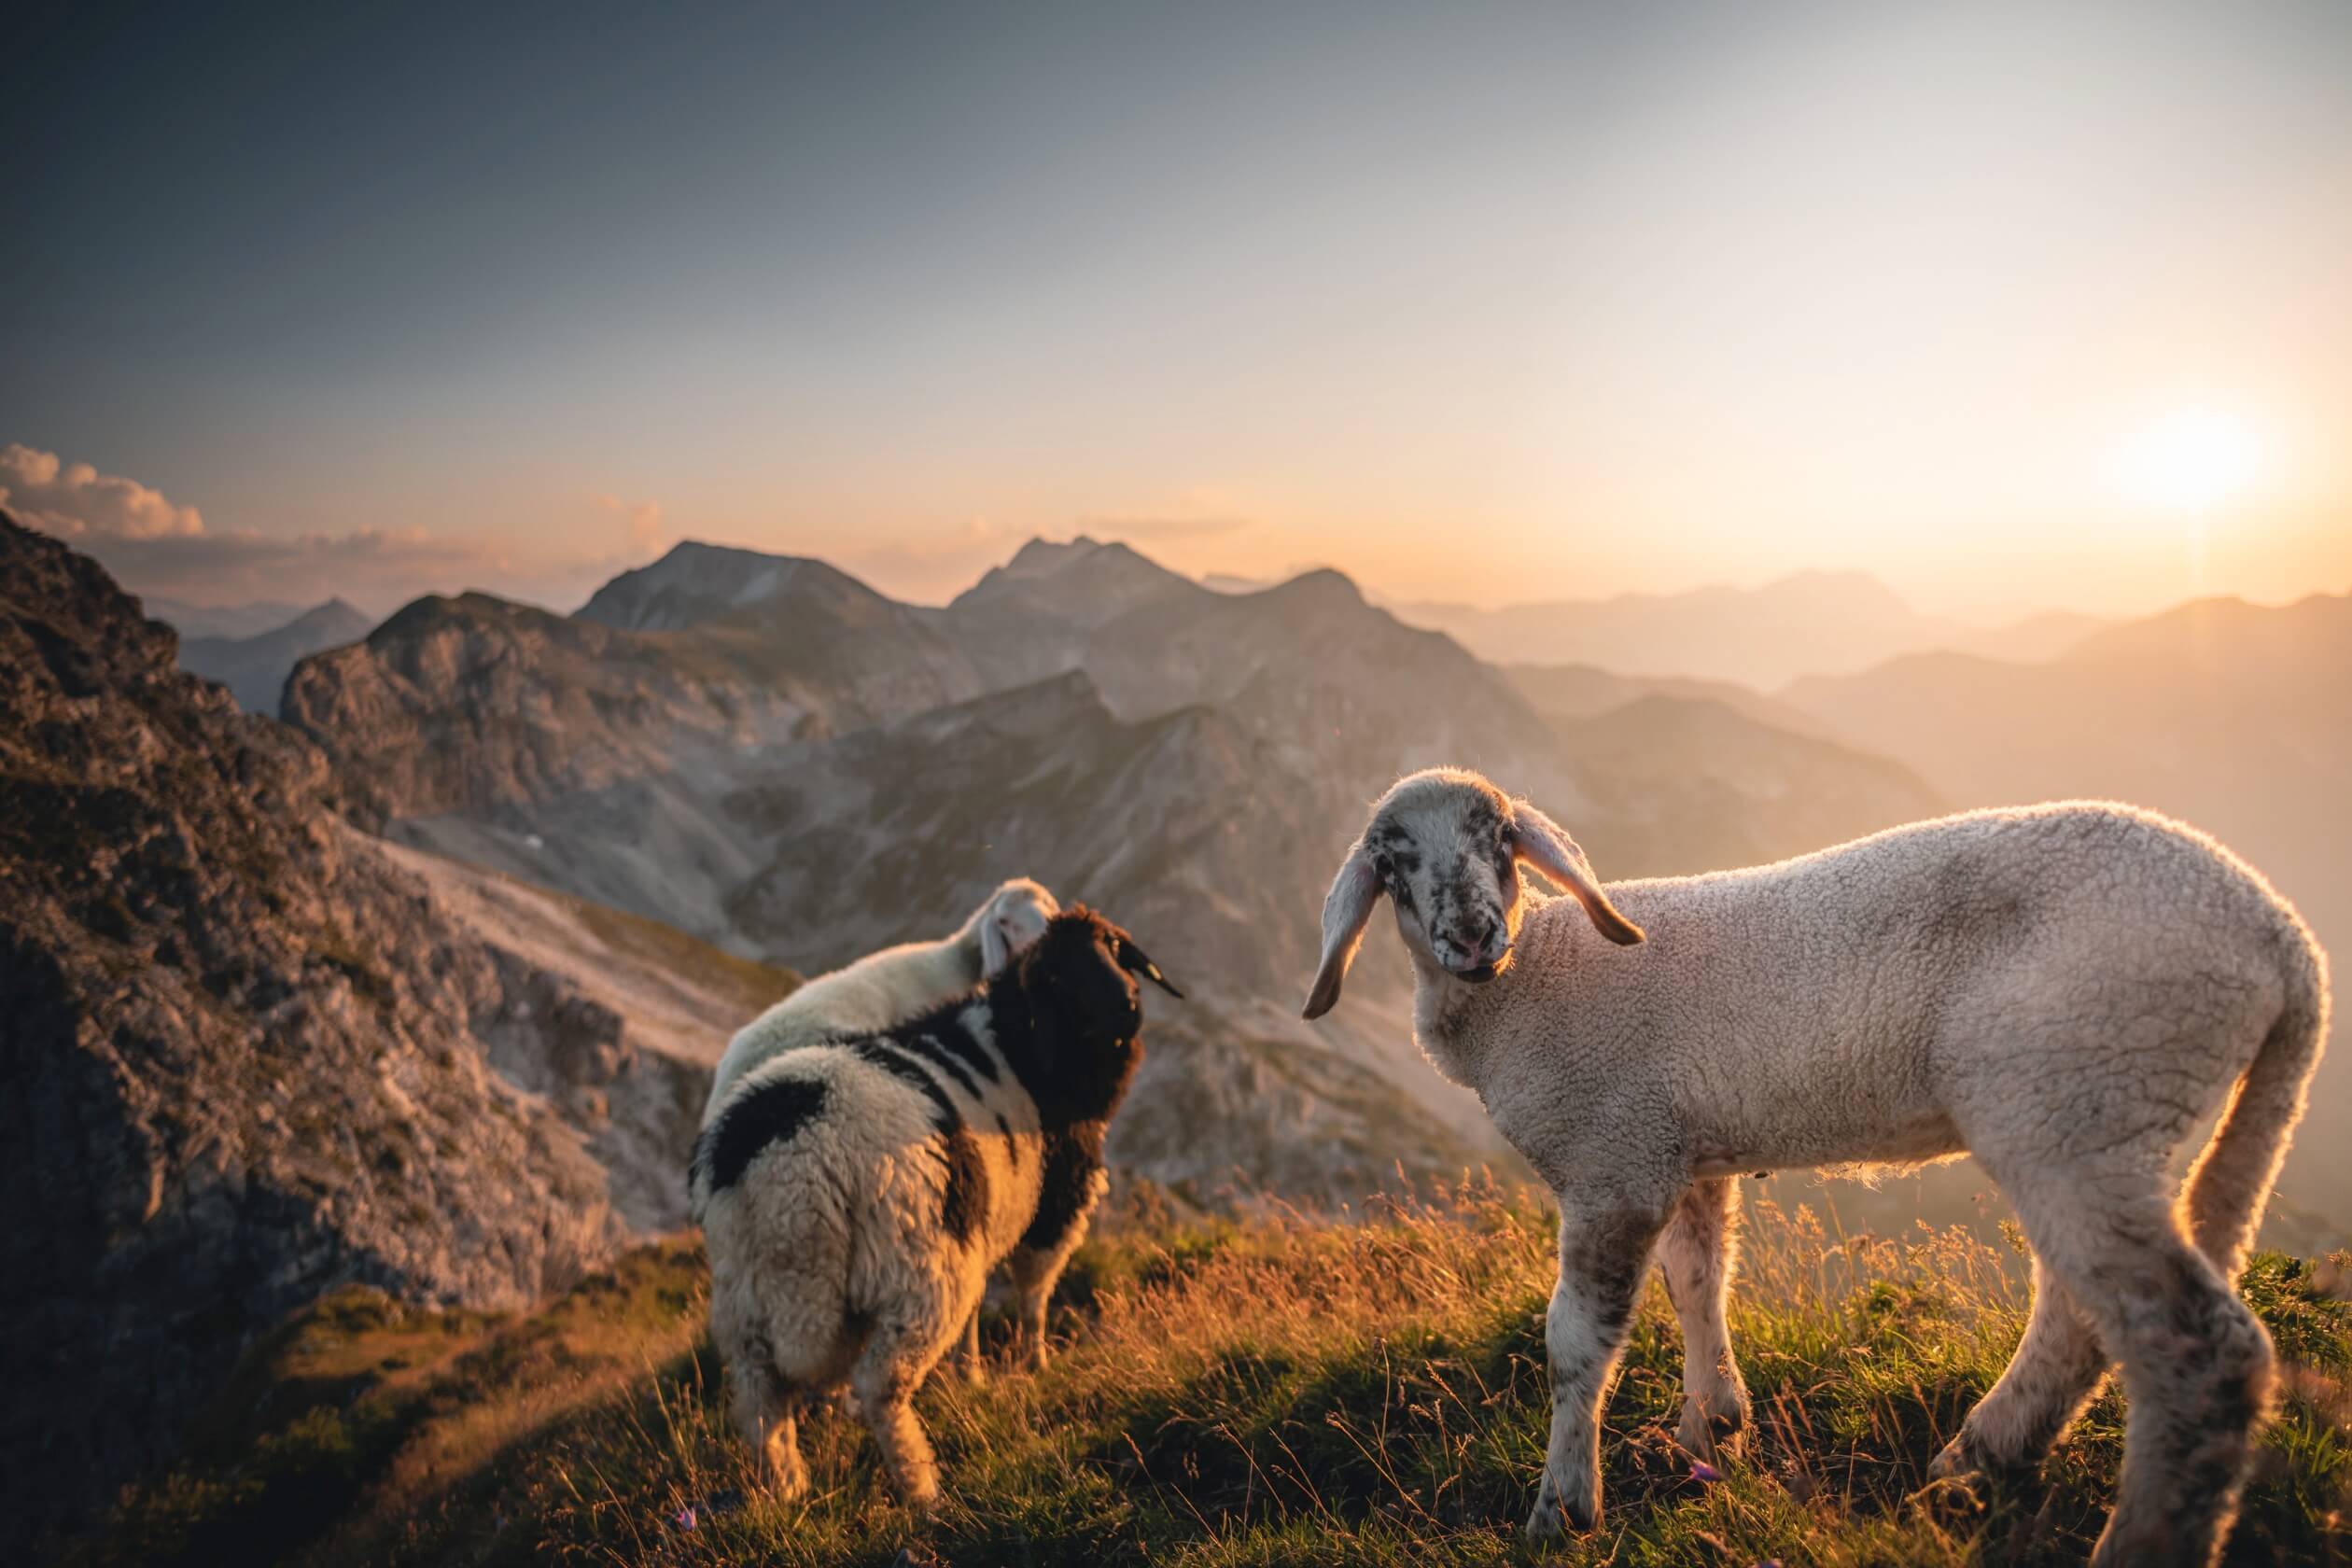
pixel 1015 919
pixel 1441 849
pixel 1080 981
pixel 1445 846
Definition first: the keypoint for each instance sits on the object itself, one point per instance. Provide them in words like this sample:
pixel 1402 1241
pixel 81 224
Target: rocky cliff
pixel 248 1056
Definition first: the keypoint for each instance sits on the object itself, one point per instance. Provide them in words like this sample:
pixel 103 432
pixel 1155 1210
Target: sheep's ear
pixel 1543 843
pixel 996 948
pixel 1136 961
pixel 1346 909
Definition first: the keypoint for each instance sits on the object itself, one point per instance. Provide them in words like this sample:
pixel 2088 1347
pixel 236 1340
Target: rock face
pixel 474 704
pixel 240 1048
pixel 254 669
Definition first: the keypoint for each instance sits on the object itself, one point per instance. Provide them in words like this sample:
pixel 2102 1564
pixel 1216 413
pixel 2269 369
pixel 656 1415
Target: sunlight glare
pixel 2193 460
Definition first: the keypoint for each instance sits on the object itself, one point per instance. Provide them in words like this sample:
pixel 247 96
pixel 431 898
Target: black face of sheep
pixel 1084 1008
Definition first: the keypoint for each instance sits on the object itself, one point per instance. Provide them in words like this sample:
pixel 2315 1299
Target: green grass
pixel 1270 1391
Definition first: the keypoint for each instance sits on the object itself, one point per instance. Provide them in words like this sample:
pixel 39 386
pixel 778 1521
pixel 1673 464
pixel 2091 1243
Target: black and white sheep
pixel 2068 991
pixel 855 1194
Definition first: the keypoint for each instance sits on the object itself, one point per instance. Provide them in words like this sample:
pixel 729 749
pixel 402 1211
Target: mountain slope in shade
pixel 253 1054
pixel 1189 832
pixel 2234 716
pixel 477 704
pixel 254 669
pixel 1808 622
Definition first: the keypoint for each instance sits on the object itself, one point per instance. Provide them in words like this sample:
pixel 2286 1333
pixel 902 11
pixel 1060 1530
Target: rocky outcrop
pixel 239 1050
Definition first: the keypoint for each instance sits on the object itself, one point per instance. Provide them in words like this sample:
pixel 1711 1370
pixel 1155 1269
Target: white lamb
pixel 880 989
pixel 855 1194
pixel 2066 991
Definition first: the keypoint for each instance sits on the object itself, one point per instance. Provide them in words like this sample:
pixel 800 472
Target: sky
pixel 2017 306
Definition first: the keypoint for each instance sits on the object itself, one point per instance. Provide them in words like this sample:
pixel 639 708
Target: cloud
pixel 378 567
pixel 643 519
pixel 156 547
pixel 75 501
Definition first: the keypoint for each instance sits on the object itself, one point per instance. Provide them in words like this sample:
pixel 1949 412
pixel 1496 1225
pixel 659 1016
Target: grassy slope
pixel 1279 1391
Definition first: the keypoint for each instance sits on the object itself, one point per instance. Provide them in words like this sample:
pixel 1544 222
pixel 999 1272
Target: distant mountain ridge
pixel 254 669
pixel 1808 622
pixel 221 621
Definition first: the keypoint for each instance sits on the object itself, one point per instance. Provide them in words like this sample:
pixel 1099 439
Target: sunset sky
pixel 2015 306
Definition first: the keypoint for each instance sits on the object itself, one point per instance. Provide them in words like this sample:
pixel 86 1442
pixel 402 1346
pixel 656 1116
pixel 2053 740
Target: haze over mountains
pixel 1810 622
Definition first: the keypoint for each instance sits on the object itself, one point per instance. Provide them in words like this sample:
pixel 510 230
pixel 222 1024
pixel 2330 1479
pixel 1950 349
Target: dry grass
pixel 1280 1390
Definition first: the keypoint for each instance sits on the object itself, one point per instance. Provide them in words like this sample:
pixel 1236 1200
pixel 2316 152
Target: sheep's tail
pixel 2232 1179
pixel 779 1296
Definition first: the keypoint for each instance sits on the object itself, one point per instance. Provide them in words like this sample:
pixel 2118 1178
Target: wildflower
pixel 1701 1471
pixel 684 1517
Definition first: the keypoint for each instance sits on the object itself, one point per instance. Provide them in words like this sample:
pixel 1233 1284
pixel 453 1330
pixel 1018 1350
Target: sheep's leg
pixel 2197 1364
pixel 766 1417
pixel 2058 1367
pixel 1604 1253
pixel 1034 1272
pixel 967 1351
pixel 1697 1255
pixel 891 1366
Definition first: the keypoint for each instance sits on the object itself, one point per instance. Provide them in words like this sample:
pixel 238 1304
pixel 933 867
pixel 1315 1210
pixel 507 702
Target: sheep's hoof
pixel 789 1479
pixel 1555 1516
pixel 1957 1462
pixel 1705 1434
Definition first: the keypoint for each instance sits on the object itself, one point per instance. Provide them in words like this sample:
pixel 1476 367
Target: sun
pixel 2193 460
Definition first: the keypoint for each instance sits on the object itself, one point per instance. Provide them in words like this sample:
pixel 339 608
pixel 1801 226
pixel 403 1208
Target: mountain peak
pixel 1041 556
pixel 696 582
pixel 1321 585
pixel 1090 579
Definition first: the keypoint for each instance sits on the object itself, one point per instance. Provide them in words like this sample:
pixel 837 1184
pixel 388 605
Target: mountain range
pixel 766 753
pixel 1807 624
